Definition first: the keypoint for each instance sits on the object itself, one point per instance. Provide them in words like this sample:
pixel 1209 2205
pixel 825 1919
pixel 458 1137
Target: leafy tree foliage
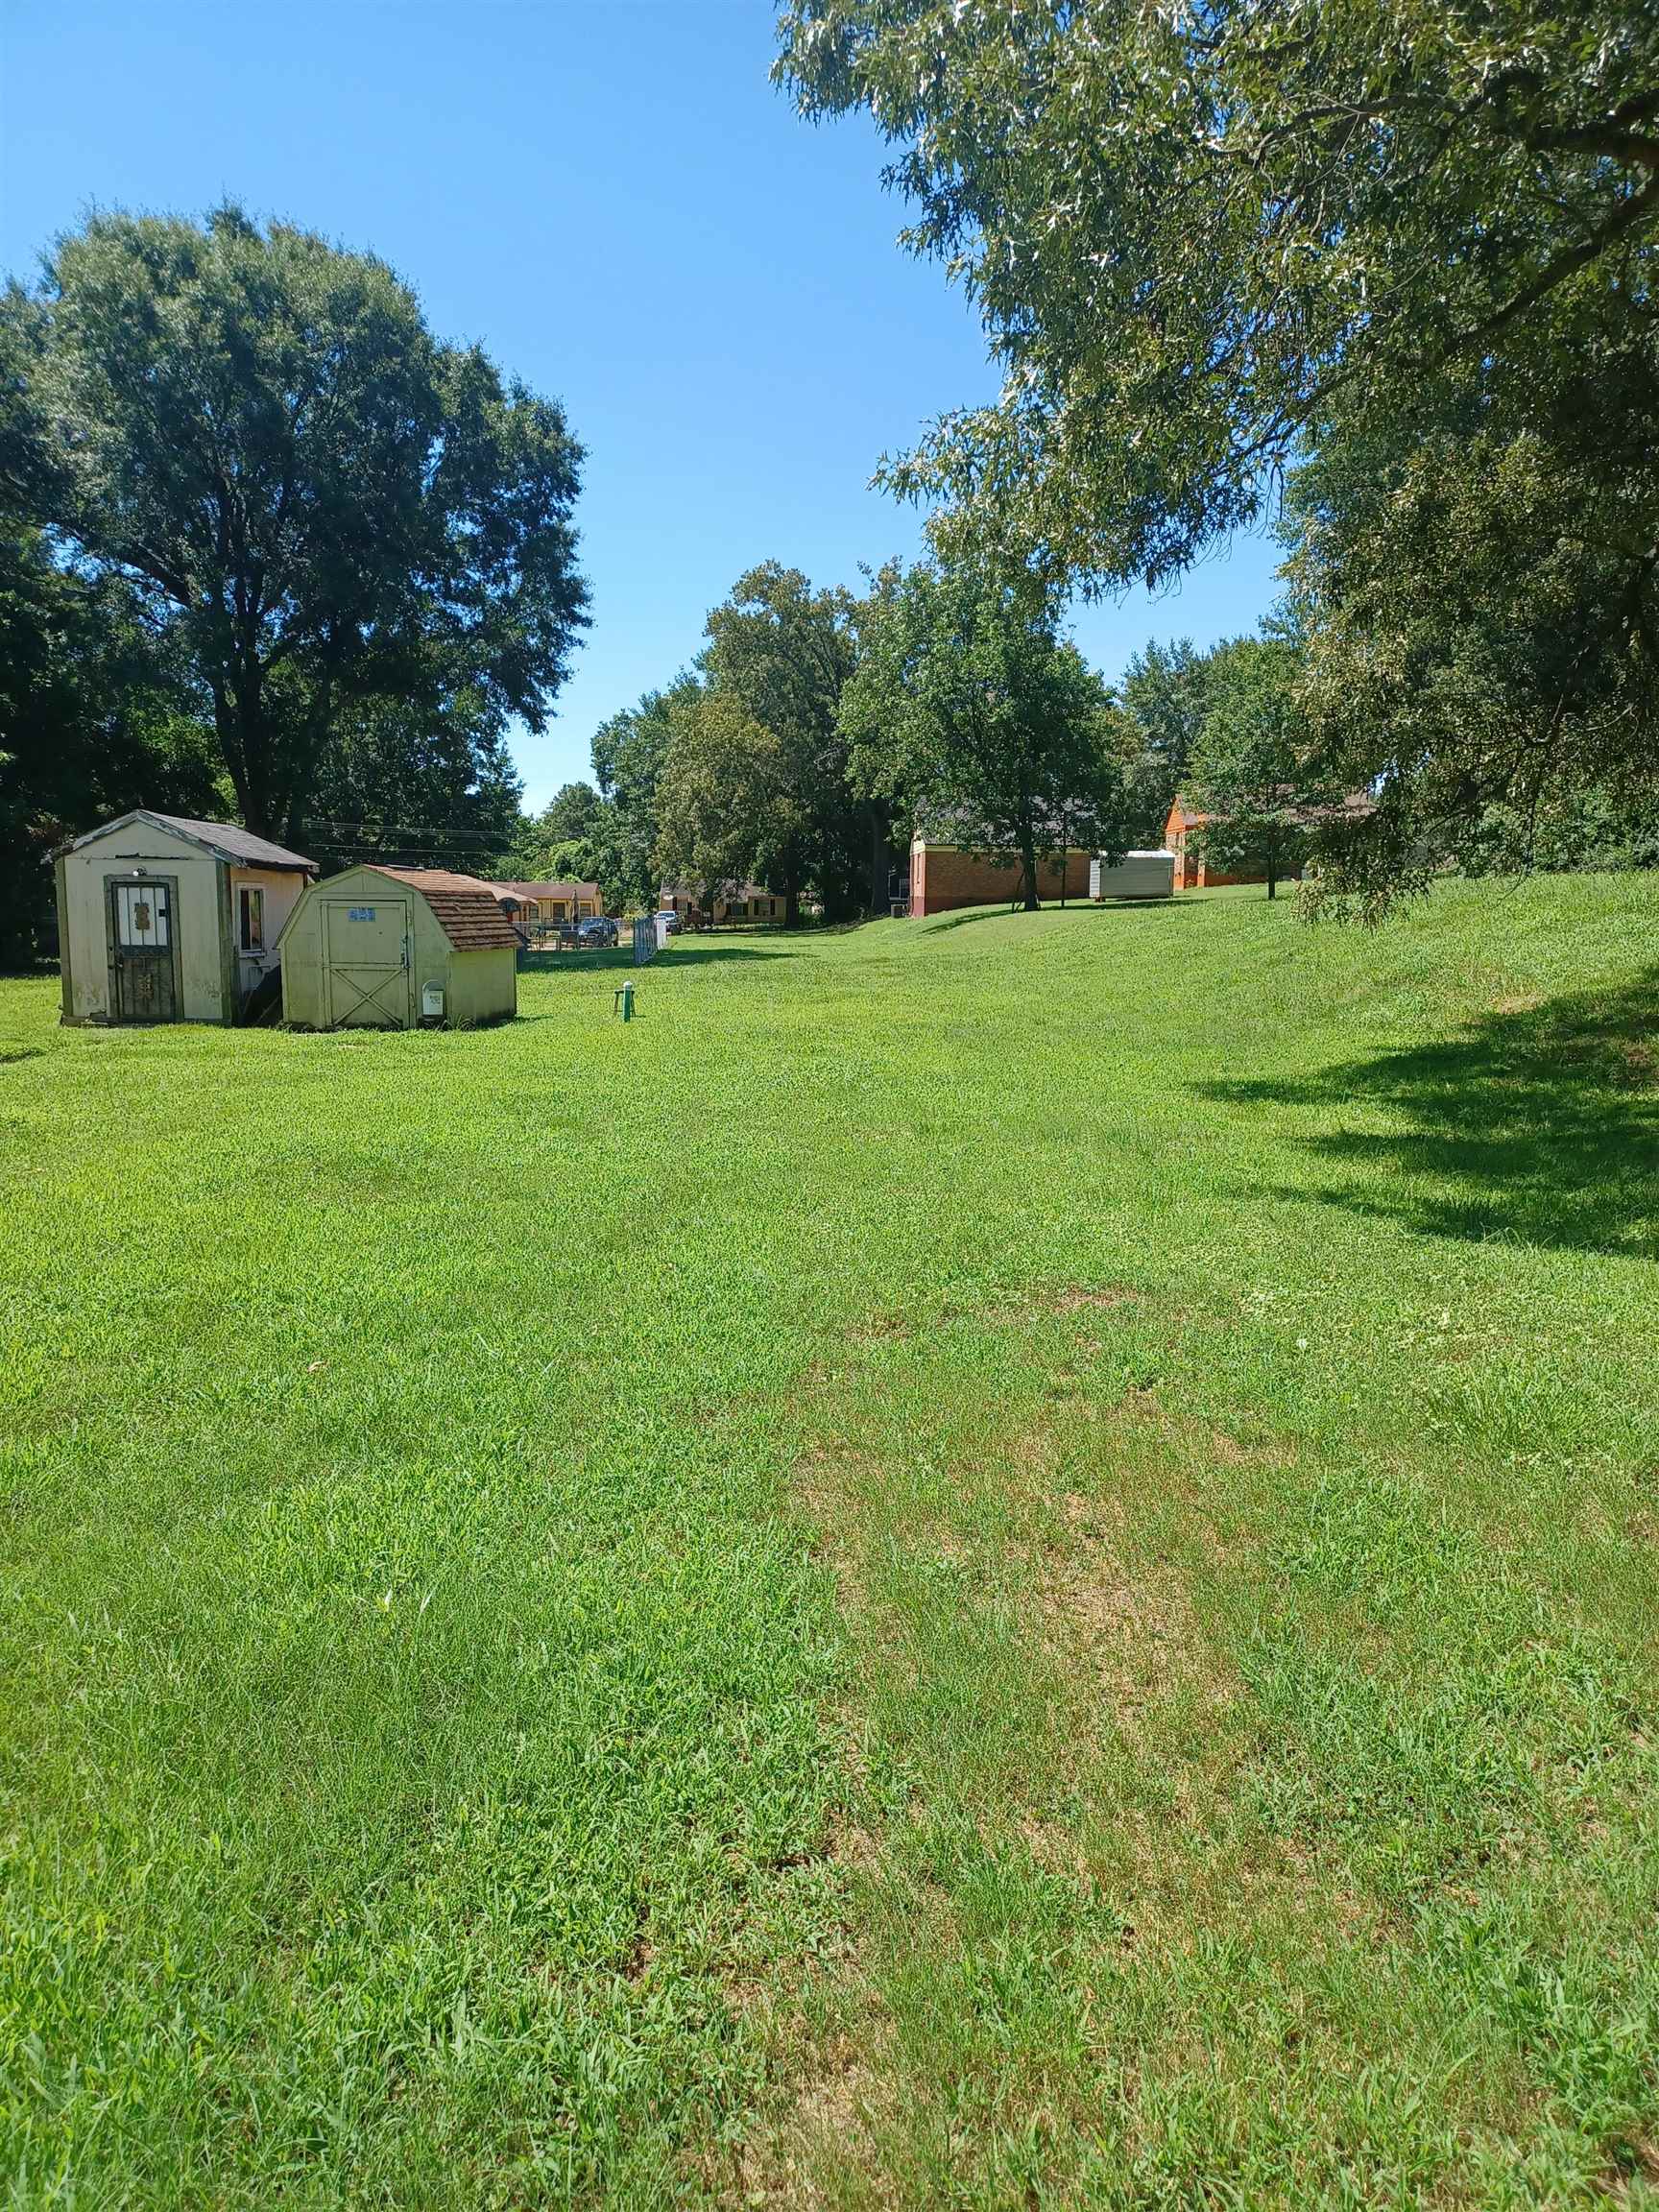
pixel 1165 693
pixel 967 709
pixel 1412 240
pixel 1249 770
pixel 96 716
pixel 571 823
pixel 1482 646
pixel 417 781
pixel 783 652
pixel 629 752
pixel 725 803
pixel 1195 232
pixel 315 503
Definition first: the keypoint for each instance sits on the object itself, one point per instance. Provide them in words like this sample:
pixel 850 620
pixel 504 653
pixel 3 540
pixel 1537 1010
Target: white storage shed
pixel 162 918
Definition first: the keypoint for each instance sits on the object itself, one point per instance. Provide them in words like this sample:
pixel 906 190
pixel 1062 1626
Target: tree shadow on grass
pixel 1538 1122
pixel 617 960
pixel 936 925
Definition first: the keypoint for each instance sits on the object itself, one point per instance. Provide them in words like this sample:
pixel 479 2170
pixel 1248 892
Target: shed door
pixel 366 963
pixel 141 926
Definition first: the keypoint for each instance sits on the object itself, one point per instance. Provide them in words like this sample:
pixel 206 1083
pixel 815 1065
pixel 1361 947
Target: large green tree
pixel 628 751
pixel 1212 241
pixel 725 806
pixel 970 714
pixel 316 501
pixel 1480 648
pixel 415 778
pixel 1250 770
pixel 1195 232
pixel 96 716
pixel 1164 692
pixel 784 650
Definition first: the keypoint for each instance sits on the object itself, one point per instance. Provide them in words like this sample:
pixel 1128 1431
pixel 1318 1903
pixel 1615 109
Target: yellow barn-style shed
pixel 390 948
pixel 162 918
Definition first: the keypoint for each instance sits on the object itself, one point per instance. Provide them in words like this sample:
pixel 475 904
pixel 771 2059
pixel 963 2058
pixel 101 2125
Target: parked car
pixel 598 931
pixel 671 922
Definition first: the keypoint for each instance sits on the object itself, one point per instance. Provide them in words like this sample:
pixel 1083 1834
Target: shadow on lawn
pixel 1538 1122
pixel 936 925
pixel 619 960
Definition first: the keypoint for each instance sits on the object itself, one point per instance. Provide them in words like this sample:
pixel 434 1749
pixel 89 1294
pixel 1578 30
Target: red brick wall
pixel 941 877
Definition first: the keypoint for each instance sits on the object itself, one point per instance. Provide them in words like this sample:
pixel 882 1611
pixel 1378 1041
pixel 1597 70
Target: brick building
pixel 944 876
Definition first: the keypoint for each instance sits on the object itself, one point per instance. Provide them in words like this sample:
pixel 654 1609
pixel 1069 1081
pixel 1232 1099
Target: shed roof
pixel 466 908
pixel 224 839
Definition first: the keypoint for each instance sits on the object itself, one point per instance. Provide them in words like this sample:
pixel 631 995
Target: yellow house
pixel 537 906
pixel 722 904
pixel 162 918
pixel 390 947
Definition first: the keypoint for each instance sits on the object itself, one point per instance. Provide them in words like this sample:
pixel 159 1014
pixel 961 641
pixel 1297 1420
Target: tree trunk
pixel 791 903
pixel 1028 863
pixel 1272 879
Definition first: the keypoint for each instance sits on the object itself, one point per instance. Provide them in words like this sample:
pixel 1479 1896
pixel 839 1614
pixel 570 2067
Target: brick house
pixel 1192 873
pixel 944 876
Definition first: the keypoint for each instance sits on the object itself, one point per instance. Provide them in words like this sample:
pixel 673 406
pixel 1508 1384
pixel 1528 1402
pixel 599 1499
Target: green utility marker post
pixel 624 998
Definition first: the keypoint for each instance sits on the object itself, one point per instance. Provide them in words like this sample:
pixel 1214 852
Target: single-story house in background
pixel 1136 875
pixel 534 907
pixel 728 902
pixel 162 918
pixel 944 876
pixel 387 948
pixel 1193 873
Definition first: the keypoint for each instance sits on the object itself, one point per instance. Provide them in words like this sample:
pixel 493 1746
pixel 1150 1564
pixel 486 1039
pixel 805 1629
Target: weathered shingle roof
pixel 223 838
pixel 546 890
pixel 467 910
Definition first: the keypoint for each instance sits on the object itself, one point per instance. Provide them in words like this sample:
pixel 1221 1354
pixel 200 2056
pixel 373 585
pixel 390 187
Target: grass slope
pixel 1007 1561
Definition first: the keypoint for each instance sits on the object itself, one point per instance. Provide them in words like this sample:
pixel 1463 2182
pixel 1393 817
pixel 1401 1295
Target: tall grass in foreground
pixel 1000 1561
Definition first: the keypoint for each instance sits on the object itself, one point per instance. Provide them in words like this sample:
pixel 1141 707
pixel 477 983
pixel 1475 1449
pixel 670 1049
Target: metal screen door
pixel 141 933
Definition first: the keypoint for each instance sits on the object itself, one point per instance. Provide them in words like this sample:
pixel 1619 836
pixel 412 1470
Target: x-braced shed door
pixel 366 951
pixel 143 949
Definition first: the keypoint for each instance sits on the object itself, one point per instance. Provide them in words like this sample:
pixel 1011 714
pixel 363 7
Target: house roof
pixel 546 890
pixel 958 830
pixel 1354 807
pixel 223 839
pixel 467 910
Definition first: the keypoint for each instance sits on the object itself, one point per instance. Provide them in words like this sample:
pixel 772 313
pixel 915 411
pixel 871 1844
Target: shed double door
pixel 142 949
pixel 366 963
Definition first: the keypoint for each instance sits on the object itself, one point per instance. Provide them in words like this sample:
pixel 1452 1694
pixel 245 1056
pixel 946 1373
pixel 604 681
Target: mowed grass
pixel 1007 1561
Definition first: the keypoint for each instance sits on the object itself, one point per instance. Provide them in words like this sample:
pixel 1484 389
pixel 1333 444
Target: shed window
pixel 251 923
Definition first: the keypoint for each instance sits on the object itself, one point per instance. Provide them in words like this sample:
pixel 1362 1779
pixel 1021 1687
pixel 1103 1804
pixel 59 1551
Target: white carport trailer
pixel 1136 875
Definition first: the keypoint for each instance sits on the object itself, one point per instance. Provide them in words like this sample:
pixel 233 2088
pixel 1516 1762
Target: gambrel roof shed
pixel 377 948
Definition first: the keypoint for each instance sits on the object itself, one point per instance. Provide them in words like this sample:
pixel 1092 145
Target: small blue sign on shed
pixel 359 913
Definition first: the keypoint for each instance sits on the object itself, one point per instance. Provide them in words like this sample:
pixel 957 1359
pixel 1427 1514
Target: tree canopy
pixel 1249 771
pixel 970 714
pixel 1195 232
pixel 314 500
pixel 725 805
pixel 96 716
pixel 1405 244
pixel 784 651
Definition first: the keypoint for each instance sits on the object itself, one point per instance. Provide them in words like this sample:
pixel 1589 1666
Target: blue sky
pixel 611 197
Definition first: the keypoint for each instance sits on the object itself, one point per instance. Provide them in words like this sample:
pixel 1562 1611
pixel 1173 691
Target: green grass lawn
pixel 998 1562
